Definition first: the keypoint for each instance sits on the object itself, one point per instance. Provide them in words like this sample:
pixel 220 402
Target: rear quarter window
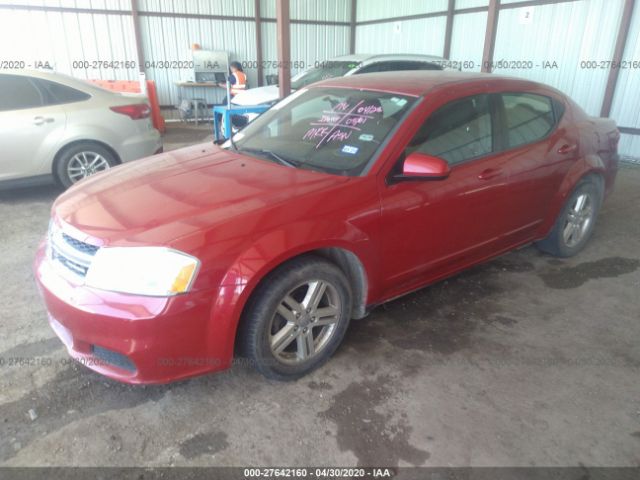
pixel 528 117
pixel 58 94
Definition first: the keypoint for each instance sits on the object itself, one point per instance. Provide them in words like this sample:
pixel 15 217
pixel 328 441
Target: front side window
pixel 456 132
pixel 18 92
pixel 528 117
pixel 333 130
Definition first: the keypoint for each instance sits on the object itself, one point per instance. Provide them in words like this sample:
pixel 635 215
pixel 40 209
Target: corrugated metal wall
pixel 425 35
pixel 93 4
pixel 167 38
pixel 467 40
pixel 235 8
pixel 62 38
pixel 315 43
pixel 170 39
pixel 328 10
pixel 471 3
pixel 380 9
pixel 309 43
pixel 565 34
pixel 568 34
pixel 626 101
pixel 66 40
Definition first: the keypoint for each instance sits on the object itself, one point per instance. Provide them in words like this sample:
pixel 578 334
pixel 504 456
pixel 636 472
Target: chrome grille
pixel 73 255
pixel 78 245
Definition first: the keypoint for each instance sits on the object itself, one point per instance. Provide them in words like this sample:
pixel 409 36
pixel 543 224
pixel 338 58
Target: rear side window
pixel 56 93
pixel 458 131
pixel 528 118
pixel 398 66
pixel 374 67
pixel 18 92
pixel 426 66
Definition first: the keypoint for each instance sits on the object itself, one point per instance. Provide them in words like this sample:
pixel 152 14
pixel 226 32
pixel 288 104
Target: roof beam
pixel 490 35
pixel 258 21
pixel 618 52
pixel 449 29
pixel 283 29
pixel 352 26
pixel 137 35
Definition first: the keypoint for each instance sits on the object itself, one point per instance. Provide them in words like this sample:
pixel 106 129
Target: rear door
pixel 538 150
pixel 30 128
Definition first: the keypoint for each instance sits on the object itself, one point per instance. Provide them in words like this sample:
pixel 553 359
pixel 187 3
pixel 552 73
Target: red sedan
pixel 345 195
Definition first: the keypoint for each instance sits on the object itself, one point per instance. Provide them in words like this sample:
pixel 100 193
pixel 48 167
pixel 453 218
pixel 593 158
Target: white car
pixel 56 125
pixel 342 67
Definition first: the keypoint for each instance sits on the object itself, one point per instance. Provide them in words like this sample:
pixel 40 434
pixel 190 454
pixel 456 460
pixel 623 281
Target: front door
pixel 433 227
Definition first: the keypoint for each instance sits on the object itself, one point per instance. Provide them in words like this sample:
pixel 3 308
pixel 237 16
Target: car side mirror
pixel 420 166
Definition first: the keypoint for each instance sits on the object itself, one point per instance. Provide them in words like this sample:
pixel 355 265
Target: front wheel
pixel 576 221
pixel 296 318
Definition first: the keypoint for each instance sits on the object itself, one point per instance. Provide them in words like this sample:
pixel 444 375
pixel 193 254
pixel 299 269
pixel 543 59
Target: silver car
pixel 341 67
pixel 337 67
pixel 56 125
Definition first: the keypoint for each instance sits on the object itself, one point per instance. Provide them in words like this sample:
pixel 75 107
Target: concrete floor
pixel 527 360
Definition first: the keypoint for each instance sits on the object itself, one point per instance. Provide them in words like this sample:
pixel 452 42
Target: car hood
pixel 160 199
pixel 257 96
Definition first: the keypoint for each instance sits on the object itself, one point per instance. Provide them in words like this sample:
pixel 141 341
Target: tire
pixel 82 160
pixel 282 339
pixel 558 243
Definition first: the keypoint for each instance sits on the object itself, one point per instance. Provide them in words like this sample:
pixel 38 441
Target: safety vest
pixel 241 83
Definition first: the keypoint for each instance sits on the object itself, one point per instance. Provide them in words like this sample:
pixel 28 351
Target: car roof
pixel 46 74
pixel 367 57
pixel 418 82
pixel 62 78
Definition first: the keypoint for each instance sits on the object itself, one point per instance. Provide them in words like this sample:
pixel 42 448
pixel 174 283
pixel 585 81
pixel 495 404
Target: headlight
pixel 152 271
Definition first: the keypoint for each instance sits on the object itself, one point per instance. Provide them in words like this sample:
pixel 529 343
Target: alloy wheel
pixel 305 321
pixel 578 220
pixel 85 164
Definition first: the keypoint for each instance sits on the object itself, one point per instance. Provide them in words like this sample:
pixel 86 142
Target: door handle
pixel 565 149
pixel 490 173
pixel 42 120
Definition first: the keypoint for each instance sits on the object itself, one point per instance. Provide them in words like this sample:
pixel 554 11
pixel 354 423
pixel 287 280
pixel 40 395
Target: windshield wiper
pixel 232 143
pixel 274 156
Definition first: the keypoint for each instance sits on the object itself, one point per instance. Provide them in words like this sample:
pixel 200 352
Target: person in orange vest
pixel 238 83
pixel 237 79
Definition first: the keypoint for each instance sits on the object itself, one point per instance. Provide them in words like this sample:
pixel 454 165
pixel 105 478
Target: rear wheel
pixel 576 221
pixel 81 161
pixel 296 319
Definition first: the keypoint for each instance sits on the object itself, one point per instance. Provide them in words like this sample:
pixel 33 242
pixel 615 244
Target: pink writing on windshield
pixel 338 124
pixel 326 133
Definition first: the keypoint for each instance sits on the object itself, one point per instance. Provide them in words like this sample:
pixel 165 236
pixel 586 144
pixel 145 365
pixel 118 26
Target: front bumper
pixel 133 339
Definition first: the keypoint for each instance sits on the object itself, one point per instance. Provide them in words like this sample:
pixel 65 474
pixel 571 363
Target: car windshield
pixel 324 71
pixel 332 130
